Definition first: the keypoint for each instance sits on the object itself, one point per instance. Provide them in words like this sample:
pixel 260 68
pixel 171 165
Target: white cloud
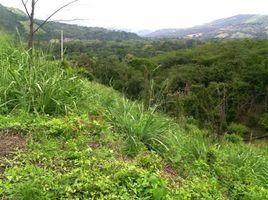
pixel 147 14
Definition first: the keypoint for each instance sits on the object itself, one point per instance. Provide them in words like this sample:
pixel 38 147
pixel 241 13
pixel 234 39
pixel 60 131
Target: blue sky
pixel 146 14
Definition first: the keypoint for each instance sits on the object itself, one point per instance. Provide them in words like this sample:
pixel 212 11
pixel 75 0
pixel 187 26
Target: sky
pixel 136 15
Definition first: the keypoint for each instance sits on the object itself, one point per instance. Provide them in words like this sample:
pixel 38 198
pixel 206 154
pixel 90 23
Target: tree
pixel 31 15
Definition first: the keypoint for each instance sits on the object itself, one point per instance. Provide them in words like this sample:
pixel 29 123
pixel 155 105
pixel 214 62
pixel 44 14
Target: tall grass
pixel 254 159
pixel 44 87
pixel 138 126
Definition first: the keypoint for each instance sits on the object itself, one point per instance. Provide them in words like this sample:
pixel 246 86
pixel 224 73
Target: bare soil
pixel 11 140
pixel 169 169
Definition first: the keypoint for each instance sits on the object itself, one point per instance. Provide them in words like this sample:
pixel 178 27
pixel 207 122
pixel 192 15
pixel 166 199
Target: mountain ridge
pixel 12 19
pixel 238 26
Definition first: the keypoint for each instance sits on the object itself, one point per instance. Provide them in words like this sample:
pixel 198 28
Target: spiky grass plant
pixel 138 126
pixel 43 87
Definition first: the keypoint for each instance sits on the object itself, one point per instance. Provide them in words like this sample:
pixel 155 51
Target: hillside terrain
pixel 221 84
pixel 239 26
pixel 63 137
pixel 124 117
pixel 12 19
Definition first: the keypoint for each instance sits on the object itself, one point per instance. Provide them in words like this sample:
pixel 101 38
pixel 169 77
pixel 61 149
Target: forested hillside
pixel 239 26
pixel 12 19
pixel 220 84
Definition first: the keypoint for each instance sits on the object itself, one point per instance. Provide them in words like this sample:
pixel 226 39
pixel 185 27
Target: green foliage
pixel 9 21
pixel 12 19
pixel 193 81
pixel 238 129
pixel 264 121
pixel 195 148
pixel 110 148
pixel 56 166
pixel 137 126
pixel 127 182
pixel 233 138
pixel 150 161
pixel 200 188
pixel 44 87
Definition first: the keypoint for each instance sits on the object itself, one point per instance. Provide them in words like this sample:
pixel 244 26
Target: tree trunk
pixel 33 30
pixel 222 113
pixel 266 99
pixel 146 94
pixel 250 137
pixel 31 33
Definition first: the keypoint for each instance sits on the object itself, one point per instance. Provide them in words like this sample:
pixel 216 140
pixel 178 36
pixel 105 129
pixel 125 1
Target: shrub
pixel 238 129
pixel 233 138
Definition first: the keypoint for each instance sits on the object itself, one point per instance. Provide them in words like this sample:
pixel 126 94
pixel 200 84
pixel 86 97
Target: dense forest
pixel 223 85
pixel 124 117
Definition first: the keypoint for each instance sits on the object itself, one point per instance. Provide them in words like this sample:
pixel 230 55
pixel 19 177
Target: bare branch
pixel 62 21
pixel 62 7
pixel 69 20
pixel 25 7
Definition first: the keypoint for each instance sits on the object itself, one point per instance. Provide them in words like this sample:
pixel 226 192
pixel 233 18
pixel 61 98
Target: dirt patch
pixel 171 174
pixel 10 141
pixel 169 169
pixel 95 146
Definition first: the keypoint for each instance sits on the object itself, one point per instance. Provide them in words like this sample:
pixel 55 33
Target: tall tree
pixel 31 15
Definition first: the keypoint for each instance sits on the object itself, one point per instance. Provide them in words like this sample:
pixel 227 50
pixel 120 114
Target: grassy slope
pixel 94 144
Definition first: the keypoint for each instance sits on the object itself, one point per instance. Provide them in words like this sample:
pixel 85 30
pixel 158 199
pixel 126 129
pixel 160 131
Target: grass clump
pixel 44 87
pixel 140 128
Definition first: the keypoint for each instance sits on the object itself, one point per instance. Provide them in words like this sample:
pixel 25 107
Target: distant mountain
pixel 10 20
pixel 144 32
pixel 14 19
pixel 239 26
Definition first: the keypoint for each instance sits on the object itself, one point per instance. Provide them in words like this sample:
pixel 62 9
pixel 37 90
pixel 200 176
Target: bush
pixel 238 129
pixel 233 138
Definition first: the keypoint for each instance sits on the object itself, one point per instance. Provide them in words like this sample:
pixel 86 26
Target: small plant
pixel 150 161
pixel 200 188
